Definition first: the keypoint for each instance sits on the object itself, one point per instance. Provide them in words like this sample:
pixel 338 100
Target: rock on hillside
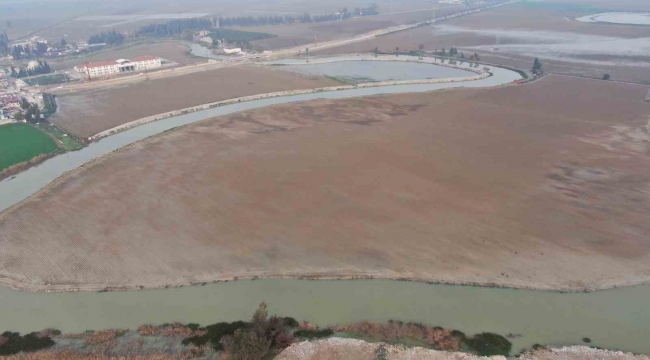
pixel 351 349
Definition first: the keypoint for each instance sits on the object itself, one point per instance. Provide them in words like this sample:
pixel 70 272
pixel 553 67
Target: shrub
pixel 215 332
pixel 14 343
pixel 313 334
pixel 291 322
pixel 193 326
pixel 246 345
pixel 488 344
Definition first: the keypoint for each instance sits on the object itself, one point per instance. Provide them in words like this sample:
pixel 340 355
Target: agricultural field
pixel 89 112
pixel 542 185
pixel 21 142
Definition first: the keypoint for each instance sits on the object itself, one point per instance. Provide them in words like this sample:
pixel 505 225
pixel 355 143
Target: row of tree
pixel 109 38
pixel 42 68
pixel 27 52
pixel 4 44
pixel 237 37
pixel 343 14
pixel 32 112
pixel 175 27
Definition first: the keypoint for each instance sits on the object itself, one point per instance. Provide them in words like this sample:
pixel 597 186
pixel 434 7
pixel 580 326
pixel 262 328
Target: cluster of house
pixel 203 36
pixel 9 106
pixel 110 68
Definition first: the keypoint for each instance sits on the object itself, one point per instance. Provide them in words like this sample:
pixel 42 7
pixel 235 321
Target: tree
pixel 17 52
pixel 259 319
pixel 606 77
pixel 462 55
pixel 24 104
pixel 64 43
pixel 396 50
pixel 41 48
pixel 307 51
pixel 537 67
pixel 247 345
pixel 476 57
pixel 14 73
pixel 19 116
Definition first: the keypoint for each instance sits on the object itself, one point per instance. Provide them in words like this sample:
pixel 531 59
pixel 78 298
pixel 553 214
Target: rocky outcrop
pixel 352 349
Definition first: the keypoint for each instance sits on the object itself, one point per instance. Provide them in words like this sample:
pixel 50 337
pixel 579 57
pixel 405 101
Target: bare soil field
pixel 86 113
pixel 543 185
pixel 169 50
pixel 525 32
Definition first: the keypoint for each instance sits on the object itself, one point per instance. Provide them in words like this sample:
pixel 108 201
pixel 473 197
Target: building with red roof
pixel 109 68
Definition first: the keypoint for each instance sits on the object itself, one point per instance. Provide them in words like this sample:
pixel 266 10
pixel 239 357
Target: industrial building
pixel 109 68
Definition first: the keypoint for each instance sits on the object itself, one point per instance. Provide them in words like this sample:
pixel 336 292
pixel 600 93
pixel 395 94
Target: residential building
pixel 109 68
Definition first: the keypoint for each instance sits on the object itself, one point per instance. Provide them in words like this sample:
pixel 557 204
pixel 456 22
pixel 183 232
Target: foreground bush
pixel 488 344
pixel 13 343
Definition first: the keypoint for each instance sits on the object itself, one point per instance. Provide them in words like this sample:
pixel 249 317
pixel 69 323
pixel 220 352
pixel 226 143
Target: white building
pixel 232 50
pixel 108 68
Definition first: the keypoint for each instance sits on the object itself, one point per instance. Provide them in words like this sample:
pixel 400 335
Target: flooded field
pixel 622 18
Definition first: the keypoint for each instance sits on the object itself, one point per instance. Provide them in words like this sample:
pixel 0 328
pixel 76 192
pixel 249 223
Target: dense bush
pixel 215 333
pixel 110 38
pixel 488 344
pixel 13 343
pixel 291 322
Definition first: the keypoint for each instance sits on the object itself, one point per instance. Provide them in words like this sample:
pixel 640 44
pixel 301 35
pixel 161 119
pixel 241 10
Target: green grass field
pixel 22 142
pixel 51 79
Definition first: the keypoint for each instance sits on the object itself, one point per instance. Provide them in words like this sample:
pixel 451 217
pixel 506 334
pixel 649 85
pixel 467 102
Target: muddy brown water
pixel 614 319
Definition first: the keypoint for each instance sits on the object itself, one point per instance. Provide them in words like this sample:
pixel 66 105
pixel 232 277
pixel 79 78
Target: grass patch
pixel 522 73
pixel 68 142
pixel 51 79
pixel 21 142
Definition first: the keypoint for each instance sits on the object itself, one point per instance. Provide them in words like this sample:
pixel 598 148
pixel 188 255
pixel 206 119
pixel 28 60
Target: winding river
pixel 616 319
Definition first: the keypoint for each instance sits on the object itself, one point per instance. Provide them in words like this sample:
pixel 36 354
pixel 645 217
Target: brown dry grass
pixel 541 185
pixel 89 112
pixel 439 338
pixel 70 355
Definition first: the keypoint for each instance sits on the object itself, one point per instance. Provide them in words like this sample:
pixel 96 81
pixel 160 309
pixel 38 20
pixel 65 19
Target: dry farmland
pixel 543 185
pixel 89 112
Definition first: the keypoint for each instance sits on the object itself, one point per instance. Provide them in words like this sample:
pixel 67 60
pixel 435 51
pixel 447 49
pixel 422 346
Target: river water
pixel 379 70
pixel 617 319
